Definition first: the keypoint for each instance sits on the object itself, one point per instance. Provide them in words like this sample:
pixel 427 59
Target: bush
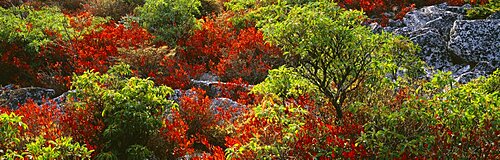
pixel 131 108
pixel 196 126
pixel 169 20
pixel 96 50
pixel 437 120
pixel 21 36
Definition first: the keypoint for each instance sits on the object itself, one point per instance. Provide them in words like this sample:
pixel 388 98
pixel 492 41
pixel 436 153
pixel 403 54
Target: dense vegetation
pixel 310 79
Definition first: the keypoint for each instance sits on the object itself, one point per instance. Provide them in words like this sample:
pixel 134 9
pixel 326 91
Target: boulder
pixel 449 43
pixel 433 47
pixel 476 40
pixel 12 96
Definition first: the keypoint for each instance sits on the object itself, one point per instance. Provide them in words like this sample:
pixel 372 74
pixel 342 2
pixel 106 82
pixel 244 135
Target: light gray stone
pixel 476 40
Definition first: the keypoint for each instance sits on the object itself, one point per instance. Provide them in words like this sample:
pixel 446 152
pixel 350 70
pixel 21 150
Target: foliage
pixel 18 140
pixel 265 132
pixel 131 108
pixel 115 9
pixel 196 126
pixel 169 20
pixel 60 148
pixel 229 53
pixel 10 134
pixel 96 50
pixel 483 11
pixel 455 121
pixel 27 32
pixel 21 36
pixel 284 83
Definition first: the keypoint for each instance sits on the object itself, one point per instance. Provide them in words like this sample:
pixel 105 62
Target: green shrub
pixel 169 20
pixel 483 11
pixel 131 108
pixel 439 119
pixel 10 137
pixel 61 148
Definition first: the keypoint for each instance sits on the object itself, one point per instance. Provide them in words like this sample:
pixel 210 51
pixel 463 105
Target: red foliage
pixel 194 126
pixel 231 54
pixel 83 126
pixel 96 50
pixel 319 137
pixel 42 120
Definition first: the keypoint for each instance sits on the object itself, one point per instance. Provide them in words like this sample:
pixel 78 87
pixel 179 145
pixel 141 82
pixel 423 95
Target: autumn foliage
pixel 131 94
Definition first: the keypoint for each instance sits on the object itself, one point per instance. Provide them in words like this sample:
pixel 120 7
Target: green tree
pixel 169 20
pixel 332 50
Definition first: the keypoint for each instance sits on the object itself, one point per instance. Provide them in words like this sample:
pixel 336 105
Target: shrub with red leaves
pixel 96 50
pixel 195 127
pixel 230 53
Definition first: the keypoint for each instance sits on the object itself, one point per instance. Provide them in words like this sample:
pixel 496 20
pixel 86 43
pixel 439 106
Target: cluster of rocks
pixel 449 42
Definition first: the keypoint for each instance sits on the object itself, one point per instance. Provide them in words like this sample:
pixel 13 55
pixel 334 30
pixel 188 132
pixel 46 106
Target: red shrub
pixel 96 50
pixel 83 125
pixel 195 126
pixel 229 53
pixel 42 120
pixel 248 57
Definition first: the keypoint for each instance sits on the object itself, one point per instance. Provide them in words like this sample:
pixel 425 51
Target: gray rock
pixel 13 97
pixel 209 77
pixel 476 40
pixel 214 88
pixel 443 24
pixel 459 9
pixel 495 15
pixel 449 43
pixel 433 47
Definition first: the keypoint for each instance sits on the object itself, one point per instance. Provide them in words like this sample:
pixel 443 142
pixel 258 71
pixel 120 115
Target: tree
pixel 330 48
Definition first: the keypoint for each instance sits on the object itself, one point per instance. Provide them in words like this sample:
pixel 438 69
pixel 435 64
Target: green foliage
pixel 261 12
pixel 130 107
pixel 138 152
pixel 284 83
pixel 438 119
pixel 26 27
pixel 169 20
pixel 60 148
pixel 10 136
pixel 334 51
pixel 281 123
pixel 483 11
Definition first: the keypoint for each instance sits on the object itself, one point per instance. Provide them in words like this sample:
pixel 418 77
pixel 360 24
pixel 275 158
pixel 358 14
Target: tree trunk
pixel 339 110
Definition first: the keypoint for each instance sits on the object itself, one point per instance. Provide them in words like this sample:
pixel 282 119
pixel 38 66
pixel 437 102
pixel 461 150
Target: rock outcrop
pixel 468 48
pixel 12 96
